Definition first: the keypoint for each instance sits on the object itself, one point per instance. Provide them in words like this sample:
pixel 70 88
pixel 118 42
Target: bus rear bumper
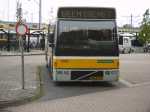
pixel 86 76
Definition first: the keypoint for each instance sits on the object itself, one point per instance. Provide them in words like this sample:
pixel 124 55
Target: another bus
pixel 85 45
pixel 125 42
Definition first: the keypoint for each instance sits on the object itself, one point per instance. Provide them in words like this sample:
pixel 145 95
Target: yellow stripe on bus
pixel 86 63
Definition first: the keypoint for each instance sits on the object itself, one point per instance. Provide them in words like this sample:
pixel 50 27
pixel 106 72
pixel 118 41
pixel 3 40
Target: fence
pixel 32 41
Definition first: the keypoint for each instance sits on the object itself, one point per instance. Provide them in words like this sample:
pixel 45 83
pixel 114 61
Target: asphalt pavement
pixel 135 68
pixel 131 94
pixel 53 91
pixel 135 99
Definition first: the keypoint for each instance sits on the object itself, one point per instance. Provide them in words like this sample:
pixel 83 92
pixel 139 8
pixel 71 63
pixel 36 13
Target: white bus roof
pixel 127 34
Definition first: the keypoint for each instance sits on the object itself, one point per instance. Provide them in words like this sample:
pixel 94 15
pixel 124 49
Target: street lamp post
pixel 40 12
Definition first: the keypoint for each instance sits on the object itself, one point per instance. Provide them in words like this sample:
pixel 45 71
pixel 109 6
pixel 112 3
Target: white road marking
pixel 142 84
pixel 128 84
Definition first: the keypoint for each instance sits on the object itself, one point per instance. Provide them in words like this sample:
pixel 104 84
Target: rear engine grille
pixel 85 75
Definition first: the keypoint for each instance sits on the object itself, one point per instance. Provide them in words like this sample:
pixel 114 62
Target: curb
pixel 37 94
pixel 1 55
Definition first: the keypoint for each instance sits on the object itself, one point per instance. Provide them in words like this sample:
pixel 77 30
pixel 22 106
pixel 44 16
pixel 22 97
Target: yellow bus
pixel 84 45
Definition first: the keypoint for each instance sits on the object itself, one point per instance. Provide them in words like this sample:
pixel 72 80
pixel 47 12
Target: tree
pixel 144 34
pixel 127 26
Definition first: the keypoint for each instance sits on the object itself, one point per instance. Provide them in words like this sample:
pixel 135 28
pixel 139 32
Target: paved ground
pixel 11 81
pixel 122 100
pixel 134 71
pixel 135 68
pixel 65 90
pixel 17 53
pixel 131 94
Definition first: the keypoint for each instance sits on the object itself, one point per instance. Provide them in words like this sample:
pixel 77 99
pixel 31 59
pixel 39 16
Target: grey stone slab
pixel 11 81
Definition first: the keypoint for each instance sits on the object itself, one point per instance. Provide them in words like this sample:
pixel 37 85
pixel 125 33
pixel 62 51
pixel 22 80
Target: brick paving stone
pixel 10 78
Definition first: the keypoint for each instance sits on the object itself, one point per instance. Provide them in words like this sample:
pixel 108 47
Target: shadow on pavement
pixel 4 110
pixel 53 91
pixel 84 84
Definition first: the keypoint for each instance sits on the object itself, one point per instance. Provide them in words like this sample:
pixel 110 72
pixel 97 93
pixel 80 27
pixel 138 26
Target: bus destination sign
pixel 90 13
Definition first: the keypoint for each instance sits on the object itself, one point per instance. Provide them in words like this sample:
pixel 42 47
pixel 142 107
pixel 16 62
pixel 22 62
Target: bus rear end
pixel 85 46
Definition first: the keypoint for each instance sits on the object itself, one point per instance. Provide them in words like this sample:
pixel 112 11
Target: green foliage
pixel 144 34
pixel 128 26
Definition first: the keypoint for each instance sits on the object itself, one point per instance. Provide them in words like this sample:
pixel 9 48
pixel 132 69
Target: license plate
pixel 95 77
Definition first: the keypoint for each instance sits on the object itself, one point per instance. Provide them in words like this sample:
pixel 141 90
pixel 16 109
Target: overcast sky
pixel 30 9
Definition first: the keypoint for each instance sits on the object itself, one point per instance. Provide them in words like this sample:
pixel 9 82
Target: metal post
pixel 131 23
pixel 21 44
pixel 8 10
pixel 40 13
pixel 28 48
pixel 22 60
pixel 8 41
